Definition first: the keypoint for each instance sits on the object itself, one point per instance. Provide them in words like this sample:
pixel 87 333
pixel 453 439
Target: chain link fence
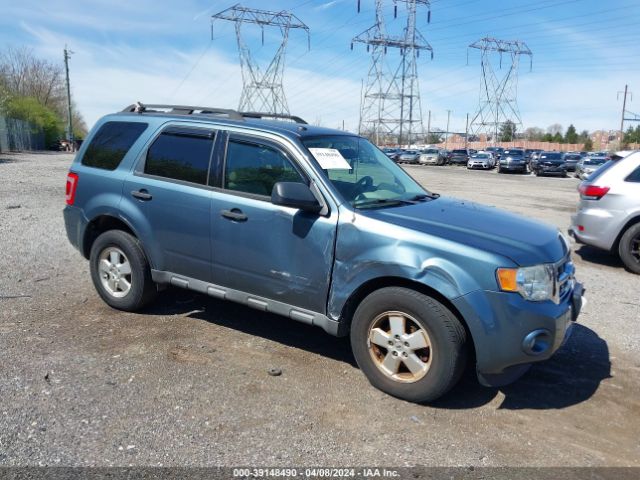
pixel 18 135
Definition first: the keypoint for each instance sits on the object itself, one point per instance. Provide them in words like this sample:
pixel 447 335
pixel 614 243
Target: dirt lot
pixel 186 382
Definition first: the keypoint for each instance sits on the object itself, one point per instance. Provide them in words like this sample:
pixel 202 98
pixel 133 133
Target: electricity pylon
pixel 390 105
pixel 262 89
pixel 498 93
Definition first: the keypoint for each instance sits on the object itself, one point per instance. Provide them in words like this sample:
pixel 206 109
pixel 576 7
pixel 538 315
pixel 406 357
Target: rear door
pixel 168 193
pixel 275 252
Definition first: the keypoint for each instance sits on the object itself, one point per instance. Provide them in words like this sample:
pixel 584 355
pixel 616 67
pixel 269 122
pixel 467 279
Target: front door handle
pixel 142 194
pixel 234 214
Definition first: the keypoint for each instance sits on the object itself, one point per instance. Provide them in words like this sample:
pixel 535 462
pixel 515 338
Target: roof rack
pixel 139 107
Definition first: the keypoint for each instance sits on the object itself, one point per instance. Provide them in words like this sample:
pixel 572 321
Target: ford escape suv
pixel 320 226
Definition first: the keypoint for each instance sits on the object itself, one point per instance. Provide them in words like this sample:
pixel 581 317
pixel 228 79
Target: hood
pixel 526 242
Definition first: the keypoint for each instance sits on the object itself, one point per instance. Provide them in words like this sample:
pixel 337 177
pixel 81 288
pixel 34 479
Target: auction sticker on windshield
pixel 330 159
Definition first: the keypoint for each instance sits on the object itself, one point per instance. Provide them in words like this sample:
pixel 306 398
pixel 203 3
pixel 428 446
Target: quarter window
pixel 180 156
pixel 111 143
pixel 634 176
pixel 256 168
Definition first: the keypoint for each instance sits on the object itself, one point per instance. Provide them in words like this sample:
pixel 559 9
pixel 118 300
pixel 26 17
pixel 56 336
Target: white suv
pixel 608 215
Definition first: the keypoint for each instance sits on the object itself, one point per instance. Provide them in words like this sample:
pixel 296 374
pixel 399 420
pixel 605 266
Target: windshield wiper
pixel 382 202
pixel 422 196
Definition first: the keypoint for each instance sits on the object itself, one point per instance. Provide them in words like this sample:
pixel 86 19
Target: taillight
pixel 72 184
pixel 592 192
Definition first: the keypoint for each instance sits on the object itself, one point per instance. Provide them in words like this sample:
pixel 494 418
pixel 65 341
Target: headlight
pixel 533 283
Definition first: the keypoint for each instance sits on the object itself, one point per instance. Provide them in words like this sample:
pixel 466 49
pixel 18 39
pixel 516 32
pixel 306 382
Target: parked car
pixel 482 160
pixel 282 217
pixel 392 153
pixel 409 156
pixel 550 163
pixel 432 156
pixel 608 214
pixel 529 152
pixel 459 156
pixel 533 159
pixel 571 160
pixel 495 151
pixel 512 161
pixel 588 165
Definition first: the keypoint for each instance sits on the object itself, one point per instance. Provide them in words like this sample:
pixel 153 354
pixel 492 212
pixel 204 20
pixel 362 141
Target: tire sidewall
pixel 436 381
pixel 128 245
pixel 625 246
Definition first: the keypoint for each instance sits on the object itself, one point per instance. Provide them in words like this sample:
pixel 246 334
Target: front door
pixel 275 252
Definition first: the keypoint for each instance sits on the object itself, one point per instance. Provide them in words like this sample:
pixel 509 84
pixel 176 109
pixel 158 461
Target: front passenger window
pixel 255 168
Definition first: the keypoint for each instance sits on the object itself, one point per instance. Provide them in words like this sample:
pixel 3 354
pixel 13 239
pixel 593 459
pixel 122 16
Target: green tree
pixel 31 110
pixel 588 144
pixel 507 131
pixel 571 136
pixel 433 138
pixel 547 137
pixel 558 138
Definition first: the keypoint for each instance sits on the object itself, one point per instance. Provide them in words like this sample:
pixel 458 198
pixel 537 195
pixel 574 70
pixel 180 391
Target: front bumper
pixel 547 170
pixel 428 160
pixel 520 167
pixel 510 333
pixel 481 165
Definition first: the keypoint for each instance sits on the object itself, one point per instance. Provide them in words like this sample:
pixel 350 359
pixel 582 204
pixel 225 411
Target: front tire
pixel 408 345
pixel 120 271
pixel 629 248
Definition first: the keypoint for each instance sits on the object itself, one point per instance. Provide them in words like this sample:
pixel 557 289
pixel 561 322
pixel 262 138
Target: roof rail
pixel 277 116
pixel 139 107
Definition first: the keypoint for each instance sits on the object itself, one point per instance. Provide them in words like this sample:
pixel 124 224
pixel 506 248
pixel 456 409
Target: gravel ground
pixel 186 382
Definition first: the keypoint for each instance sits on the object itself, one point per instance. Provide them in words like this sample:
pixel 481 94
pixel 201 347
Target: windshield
pixel 572 157
pixel 430 150
pixel 513 152
pixel 373 180
pixel 594 161
pixel 551 156
pixel 479 155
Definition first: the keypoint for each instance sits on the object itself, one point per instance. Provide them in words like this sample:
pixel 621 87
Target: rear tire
pixel 120 271
pixel 629 248
pixel 408 344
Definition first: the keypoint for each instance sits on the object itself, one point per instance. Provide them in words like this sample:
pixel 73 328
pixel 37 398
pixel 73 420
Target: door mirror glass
pixel 295 195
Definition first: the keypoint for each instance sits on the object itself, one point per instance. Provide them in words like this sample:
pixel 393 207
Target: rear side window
pixel 634 176
pixel 255 168
pixel 111 143
pixel 180 156
pixel 598 173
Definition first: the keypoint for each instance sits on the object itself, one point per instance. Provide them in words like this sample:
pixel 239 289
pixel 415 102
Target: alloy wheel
pixel 400 348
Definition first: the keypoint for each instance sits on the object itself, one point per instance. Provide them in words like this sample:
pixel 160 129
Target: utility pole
pixel 428 127
pixel 624 109
pixel 466 134
pixel 67 54
pixel 446 137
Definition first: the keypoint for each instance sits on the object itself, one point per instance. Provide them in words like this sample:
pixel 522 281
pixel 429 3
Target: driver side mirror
pixel 295 195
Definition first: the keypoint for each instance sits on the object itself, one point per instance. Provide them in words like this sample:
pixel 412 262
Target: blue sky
pixel 161 51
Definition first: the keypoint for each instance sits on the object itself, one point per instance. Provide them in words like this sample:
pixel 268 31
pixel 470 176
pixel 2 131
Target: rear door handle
pixel 142 194
pixel 234 214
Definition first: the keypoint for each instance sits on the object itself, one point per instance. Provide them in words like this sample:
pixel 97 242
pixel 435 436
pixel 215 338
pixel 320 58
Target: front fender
pixel 367 249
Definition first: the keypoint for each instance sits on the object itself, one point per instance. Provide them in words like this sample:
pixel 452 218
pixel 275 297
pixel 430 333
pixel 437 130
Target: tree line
pixel 34 90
